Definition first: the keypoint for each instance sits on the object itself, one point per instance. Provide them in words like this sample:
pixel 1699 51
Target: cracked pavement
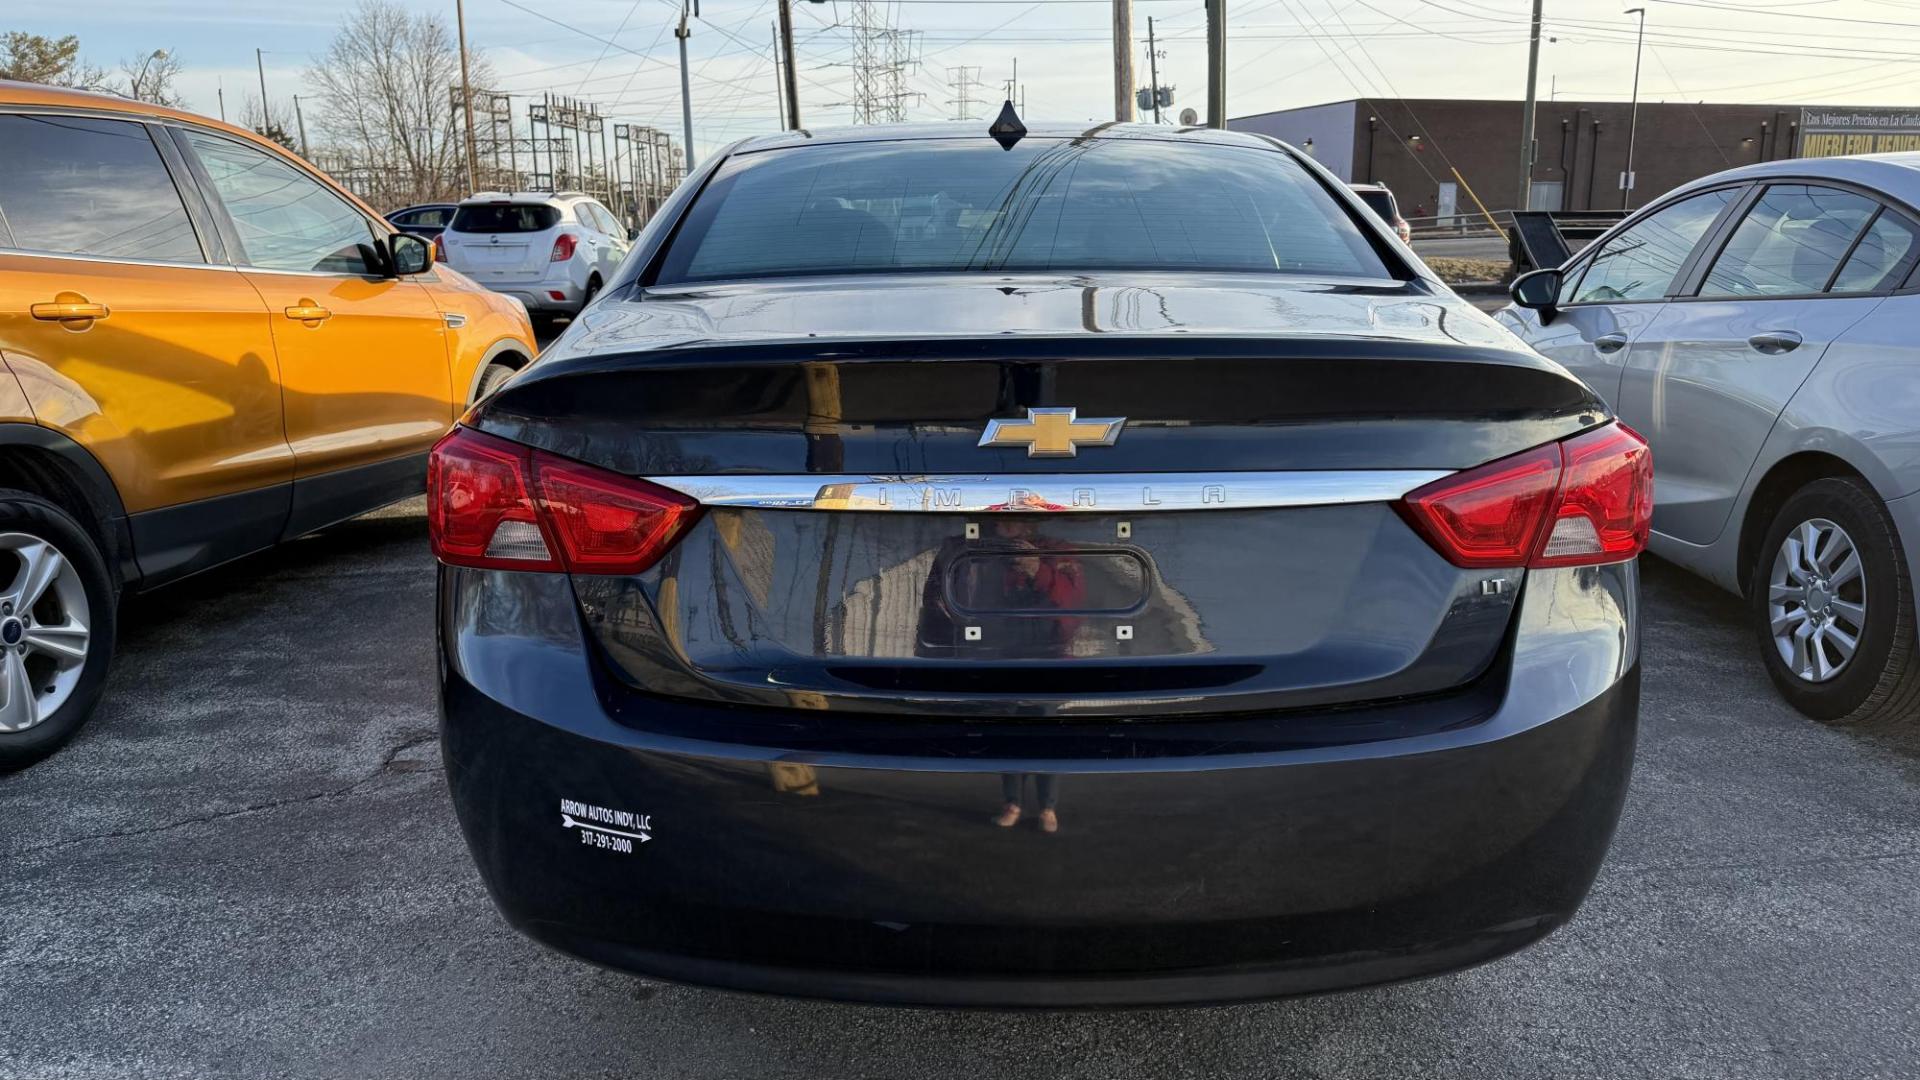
pixel 247 867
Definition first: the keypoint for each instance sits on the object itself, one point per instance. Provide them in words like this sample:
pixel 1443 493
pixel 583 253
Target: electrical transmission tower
pixel 964 80
pixel 883 55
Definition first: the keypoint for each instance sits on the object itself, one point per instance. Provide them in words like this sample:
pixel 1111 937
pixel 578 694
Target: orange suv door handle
pixel 308 312
pixel 62 311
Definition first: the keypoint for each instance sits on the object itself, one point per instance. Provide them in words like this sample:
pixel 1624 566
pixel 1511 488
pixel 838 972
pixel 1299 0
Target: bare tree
pixel 386 120
pixel 150 77
pixel 54 61
pixel 277 126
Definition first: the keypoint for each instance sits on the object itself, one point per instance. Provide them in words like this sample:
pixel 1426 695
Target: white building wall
pixel 1330 127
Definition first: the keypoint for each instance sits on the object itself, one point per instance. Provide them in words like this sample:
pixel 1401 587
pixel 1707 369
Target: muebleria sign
pixel 1832 132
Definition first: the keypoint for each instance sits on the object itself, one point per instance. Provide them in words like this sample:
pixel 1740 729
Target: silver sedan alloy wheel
pixel 44 633
pixel 1817 600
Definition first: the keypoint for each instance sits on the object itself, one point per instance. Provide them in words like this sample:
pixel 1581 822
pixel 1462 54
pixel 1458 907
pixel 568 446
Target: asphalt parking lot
pixel 247 867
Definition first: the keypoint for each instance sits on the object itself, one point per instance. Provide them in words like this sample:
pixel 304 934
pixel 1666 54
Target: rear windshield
pixel 1044 205
pixel 1382 204
pixel 505 217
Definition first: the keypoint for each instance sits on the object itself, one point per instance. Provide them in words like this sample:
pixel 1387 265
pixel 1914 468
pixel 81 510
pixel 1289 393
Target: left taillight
pixel 439 250
pixel 499 505
pixel 1582 501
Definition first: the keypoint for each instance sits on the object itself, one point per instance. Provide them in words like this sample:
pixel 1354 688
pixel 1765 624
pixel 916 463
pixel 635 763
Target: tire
pixel 491 379
pixel 79 593
pixel 1876 686
pixel 592 290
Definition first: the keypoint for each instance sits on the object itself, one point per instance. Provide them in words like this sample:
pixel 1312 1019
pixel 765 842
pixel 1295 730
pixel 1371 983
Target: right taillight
pixel 1586 500
pixel 499 505
pixel 563 247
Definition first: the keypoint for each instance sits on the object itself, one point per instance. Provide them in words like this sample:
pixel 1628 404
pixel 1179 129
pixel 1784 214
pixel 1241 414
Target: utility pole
pixel 1524 199
pixel 1633 117
pixel 1123 60
pixel 533 148
pixel 793 74
pixel 220 91
pixel 686 94
pixel 779 83
pixel 1217 63
pixel 301 120
pixel 466 98
pixel 266 116
pixel 1153 71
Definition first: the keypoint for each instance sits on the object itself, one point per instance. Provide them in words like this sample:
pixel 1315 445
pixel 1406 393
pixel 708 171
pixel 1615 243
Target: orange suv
pixel 208 348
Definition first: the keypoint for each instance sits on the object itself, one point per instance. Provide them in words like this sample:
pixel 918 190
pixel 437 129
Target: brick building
pixel 1412 145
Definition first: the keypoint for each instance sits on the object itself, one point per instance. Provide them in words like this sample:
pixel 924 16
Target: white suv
pixel 550 250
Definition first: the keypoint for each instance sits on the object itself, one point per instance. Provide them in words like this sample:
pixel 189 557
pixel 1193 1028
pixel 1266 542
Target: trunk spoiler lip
pixel 1045 345
pixel 1102 493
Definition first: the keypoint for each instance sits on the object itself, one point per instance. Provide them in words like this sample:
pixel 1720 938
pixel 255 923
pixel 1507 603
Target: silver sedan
pixel 1761 328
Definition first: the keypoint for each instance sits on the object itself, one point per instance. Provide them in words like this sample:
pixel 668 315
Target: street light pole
pixel 158 54
pixel 1523 199
pixel 1633 116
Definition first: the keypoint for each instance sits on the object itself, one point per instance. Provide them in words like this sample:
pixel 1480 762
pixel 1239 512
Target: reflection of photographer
pixel 1046 788
pixel 1047 579
pixel 1045 584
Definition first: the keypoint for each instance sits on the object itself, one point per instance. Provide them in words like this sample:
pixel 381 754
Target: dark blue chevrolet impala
pixel 1072 567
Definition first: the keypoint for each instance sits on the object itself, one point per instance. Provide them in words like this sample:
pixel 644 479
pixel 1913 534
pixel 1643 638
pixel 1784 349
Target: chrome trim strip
pixel 1104 493
pixel 76 256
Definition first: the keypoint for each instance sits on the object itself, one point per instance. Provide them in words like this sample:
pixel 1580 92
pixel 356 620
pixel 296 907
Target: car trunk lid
pixel 1234 546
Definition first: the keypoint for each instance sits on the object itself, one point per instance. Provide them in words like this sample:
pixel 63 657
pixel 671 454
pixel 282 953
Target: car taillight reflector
pixel 499 505
pixel 480 510
pixel 563 247
pixel 439 250
pixel 1586 500
pixel 1606 499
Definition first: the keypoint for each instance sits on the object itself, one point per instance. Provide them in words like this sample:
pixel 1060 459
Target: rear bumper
pixel 536 290
pixel 538 296
pixel 880 875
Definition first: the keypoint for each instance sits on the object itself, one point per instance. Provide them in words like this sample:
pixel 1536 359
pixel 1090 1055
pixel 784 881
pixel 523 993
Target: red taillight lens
pixel 1489 516
pixel 482 510
pixel 563 247
pixel 1583 501
pixel 1606 499
pixel 607 523
pixel 439 250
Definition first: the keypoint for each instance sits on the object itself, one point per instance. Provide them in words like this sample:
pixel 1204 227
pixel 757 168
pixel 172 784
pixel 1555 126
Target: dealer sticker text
pixel 605 828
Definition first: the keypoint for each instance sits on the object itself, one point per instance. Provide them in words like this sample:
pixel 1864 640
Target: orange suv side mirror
pixel 409 254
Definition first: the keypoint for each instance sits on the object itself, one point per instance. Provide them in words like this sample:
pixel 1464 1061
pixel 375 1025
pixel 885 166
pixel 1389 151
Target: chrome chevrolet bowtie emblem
pixel 1053 432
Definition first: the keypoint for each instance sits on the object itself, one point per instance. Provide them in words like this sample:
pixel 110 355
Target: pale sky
pixel 1281 53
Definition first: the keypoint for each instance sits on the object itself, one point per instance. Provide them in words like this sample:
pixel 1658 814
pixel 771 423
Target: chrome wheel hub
pixel 44 632
pixel 1817 600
